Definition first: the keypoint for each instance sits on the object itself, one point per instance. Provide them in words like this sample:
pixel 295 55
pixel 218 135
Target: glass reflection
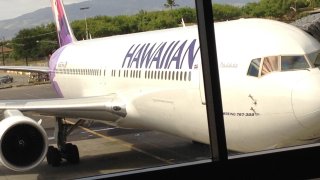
pixel 125 101
pixel 269 77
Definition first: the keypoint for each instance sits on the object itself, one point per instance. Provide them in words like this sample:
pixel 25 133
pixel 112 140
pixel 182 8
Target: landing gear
pixel 53 156
pixel 65 150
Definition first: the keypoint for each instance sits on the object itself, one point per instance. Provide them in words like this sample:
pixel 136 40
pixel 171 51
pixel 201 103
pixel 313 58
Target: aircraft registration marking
pixel 240 114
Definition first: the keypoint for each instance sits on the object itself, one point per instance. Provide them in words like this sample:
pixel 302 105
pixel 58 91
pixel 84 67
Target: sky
pixel 14 8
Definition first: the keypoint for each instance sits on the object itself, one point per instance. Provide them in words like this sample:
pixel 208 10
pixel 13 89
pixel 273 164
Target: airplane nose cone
pixel 306 101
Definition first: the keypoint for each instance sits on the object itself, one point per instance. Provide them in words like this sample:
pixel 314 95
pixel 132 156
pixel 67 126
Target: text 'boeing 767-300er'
pixel 153 80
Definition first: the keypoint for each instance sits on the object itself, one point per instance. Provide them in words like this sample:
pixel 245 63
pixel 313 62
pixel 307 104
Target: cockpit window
pixel 293 63
pixel 254 67
pixel 270 64
pixel 273 63
pixel 314 58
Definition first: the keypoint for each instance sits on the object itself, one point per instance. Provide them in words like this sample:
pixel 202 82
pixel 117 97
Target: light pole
pixel 85 19
pixel 2 50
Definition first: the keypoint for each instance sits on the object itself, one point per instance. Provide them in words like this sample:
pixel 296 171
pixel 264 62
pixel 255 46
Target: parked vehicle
pixel 6 79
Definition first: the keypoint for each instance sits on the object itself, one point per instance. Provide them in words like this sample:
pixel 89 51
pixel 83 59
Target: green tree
pixel 39 41
pixel 35 42
pixel 226 12
pixel 170 4
pixel 268 8
pixel 188 14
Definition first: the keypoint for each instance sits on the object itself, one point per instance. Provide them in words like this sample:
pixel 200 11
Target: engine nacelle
pixel 23 142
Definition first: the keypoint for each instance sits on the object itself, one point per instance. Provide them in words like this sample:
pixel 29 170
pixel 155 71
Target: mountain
pixel 9 28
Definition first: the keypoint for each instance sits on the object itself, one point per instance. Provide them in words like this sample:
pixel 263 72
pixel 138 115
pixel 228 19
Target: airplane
pixel 153 80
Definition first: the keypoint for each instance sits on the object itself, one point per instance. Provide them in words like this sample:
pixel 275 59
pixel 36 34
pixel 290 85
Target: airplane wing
pixel 111 107
pixel 42 69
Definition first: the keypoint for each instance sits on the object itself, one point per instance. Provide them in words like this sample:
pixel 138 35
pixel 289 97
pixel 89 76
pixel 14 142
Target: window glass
pixel 268 83
pixel 314 58
pixel 124 123
pixel 254 67
pixel 293 62
pixel 270 64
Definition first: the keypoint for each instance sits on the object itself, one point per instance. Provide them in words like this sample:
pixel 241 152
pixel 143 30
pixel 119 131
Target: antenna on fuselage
pixel 182 22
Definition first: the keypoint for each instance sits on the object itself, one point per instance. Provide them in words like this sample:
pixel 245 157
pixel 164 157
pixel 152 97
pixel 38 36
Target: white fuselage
pixel 159 76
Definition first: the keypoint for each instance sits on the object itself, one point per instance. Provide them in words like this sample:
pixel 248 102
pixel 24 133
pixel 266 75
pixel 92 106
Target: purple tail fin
pixel 65 34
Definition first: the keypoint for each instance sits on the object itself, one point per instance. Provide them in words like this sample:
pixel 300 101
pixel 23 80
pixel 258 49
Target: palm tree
pixel 170 4
pixel 311 3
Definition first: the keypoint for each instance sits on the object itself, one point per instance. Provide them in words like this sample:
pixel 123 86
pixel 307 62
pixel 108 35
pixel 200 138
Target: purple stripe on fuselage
pixel 52 66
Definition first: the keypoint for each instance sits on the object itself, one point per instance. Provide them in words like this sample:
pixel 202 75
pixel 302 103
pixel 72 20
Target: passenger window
pixel 293 62
pixel 270 64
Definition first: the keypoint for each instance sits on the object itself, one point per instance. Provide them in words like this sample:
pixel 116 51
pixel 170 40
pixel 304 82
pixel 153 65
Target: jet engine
pixel 23 142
